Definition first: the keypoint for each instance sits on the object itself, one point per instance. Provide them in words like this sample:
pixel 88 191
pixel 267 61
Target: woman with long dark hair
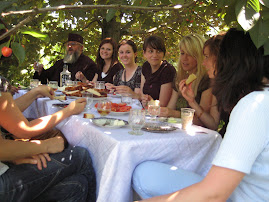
pixel 107 60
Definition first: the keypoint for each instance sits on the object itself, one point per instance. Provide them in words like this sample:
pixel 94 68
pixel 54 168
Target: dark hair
pixel 214 44
pixel 154 42
pixel 131 43
pixel 100 61
pixel 239 67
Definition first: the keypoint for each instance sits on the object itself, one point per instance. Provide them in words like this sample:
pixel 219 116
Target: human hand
pixel 40 160
pixel 109 86
pixel 80 76
pixel 52 145
pixel 77 106
pixel 43 91
pixel 186 91
pixel 165 112
pixel 13 90
pixel 38 67
pixel 145 98
pixel 123 90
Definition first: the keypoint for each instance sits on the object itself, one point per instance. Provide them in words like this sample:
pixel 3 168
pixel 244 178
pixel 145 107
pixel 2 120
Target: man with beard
pixel 81 66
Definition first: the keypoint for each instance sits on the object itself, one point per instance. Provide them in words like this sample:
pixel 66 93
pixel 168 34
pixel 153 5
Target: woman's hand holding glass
pixel 136 121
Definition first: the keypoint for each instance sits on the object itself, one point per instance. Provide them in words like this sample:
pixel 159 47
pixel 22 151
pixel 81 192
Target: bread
pixel 190 79
pixel 94 92
pixel 88 116
pixel 59 97
pixel 73 93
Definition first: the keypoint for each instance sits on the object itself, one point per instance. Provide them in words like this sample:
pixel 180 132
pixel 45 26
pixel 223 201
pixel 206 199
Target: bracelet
pixel 200 114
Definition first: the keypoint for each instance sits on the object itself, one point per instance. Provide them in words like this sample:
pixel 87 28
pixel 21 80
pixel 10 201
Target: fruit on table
pixel 6 51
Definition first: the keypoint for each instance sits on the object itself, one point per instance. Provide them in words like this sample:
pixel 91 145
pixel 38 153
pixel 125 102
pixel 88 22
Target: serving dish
pixel 158 127
pixel 109 122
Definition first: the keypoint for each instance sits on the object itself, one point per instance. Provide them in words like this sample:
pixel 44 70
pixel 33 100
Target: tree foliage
pixel 45 34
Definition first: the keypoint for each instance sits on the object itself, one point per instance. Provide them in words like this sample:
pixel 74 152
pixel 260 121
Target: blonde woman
pixel 190 62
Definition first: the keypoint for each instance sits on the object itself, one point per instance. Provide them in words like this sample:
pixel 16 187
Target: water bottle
pixel 64 75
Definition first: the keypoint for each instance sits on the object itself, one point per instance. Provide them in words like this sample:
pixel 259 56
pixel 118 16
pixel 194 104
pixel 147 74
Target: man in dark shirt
pixel 80 65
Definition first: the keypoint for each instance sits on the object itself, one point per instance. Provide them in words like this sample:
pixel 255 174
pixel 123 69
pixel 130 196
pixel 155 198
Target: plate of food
pixel 158 127
pixel 119 109
pixel 109 122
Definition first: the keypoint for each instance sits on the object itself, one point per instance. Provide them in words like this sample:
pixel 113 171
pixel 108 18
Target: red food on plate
pixel 118 107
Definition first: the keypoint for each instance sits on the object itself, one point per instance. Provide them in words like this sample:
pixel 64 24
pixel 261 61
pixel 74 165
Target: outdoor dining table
pixel 115 153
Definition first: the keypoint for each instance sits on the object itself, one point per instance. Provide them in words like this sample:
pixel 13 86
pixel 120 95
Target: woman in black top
pixel 107 60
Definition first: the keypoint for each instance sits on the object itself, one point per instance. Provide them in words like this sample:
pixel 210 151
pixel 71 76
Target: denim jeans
pixel 69 176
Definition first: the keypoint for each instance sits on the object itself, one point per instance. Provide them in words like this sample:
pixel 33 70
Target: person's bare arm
pixel 26 100
pixel 13 120
pixel 218 185
pixel 165 94
pixel 170 110
pixel 12 150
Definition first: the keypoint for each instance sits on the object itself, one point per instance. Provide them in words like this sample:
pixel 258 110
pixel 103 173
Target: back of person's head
pixel 239 69
pixel 192 44
pixel 99 60
pixel 154 42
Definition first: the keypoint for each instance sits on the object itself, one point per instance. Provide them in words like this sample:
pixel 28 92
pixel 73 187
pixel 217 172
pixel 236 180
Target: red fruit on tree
pixel 6 51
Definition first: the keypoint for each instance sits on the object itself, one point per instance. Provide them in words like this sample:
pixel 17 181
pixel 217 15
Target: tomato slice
pixel 122 104
pixel 125 108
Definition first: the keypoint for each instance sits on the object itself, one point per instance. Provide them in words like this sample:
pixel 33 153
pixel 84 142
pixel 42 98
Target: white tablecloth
pixel 116 153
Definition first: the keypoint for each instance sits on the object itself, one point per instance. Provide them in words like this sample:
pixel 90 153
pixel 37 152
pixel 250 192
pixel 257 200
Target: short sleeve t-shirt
pixel 245 147
pixel 165 74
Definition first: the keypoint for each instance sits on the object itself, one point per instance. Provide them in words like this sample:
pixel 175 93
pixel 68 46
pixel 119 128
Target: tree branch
pixel 115 6
pixel 14 29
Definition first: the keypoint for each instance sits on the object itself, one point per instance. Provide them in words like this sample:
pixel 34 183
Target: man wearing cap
pixel 81 66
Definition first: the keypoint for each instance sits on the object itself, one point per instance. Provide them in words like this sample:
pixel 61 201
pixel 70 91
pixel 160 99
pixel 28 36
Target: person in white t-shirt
pixel 241 166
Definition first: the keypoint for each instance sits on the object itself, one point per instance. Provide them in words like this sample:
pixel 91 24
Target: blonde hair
pixel 192 44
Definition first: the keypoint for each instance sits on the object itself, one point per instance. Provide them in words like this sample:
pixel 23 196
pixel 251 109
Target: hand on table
pixel 43 91
pixel 110 86
pixel 77 106
pixel 123 89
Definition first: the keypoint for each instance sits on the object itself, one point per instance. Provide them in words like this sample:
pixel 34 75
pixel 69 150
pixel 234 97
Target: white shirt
pixel 245 147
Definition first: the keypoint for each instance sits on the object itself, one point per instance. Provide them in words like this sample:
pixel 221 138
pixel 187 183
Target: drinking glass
pixel 154 108
pixel 104 107
pixel 34 83
pixel 69 83
pixel 136 121
pixel 186 117
pixel 126 98
pixel 100 85
pixel 53 84
pixel 89 99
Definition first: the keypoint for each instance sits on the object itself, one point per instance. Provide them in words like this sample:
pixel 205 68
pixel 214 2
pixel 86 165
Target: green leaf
pixel 4 5
pixel 36 34
pixel 110 15
pixel 2 26
pixel 246 16
pixel 177 2
pixel 18 51
pixel 259 33
pixel 255 5
pixel 266 47
pixel 141 2
pixel 230 15
pixel 265 3
pixel 1 46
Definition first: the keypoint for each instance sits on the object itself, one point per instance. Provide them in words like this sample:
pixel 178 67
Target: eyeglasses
pixel 71 44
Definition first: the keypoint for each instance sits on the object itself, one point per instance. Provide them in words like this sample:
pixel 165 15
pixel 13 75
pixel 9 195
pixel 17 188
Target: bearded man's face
pixel 73 51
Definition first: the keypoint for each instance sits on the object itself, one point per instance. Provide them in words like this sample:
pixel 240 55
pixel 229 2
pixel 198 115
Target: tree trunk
pixel 111 29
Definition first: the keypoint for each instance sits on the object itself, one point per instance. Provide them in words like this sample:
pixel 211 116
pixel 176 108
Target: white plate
pixel 109 122
pixel 119 113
